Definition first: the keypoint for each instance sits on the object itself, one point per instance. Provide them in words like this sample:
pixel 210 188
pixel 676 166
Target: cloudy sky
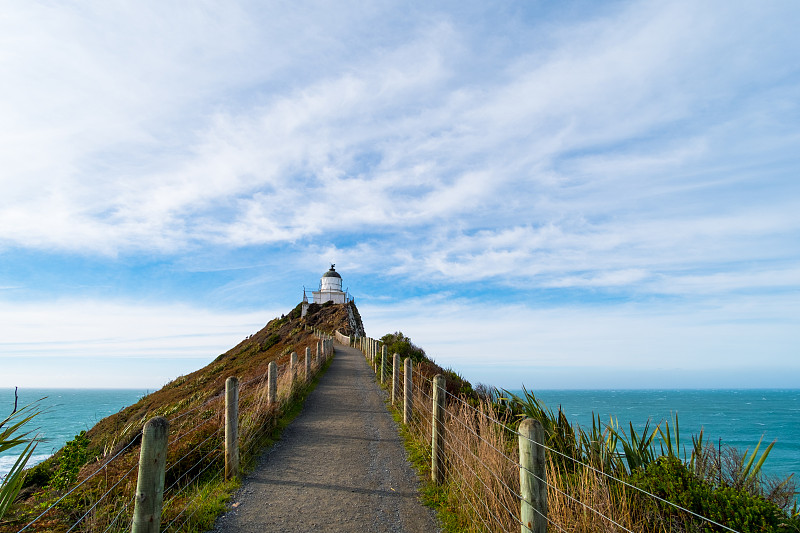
pixel 563 194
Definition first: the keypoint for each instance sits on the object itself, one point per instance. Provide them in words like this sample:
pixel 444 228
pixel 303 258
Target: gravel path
pixel 339 466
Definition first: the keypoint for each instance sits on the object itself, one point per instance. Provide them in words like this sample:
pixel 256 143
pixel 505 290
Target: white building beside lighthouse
pixel 330 288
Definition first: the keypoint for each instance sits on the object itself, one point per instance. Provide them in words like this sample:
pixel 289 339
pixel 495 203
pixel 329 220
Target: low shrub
pixel 397 343
pixel 670 479
pixel 72 457
pixel 271 341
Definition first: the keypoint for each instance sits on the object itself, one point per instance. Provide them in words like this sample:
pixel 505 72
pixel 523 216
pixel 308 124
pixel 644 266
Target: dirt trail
pixel 339 466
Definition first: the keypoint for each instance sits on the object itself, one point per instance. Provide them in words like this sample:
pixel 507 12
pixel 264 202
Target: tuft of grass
pixel 199 509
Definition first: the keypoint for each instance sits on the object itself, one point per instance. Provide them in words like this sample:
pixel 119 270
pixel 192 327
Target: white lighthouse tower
pixel 330 288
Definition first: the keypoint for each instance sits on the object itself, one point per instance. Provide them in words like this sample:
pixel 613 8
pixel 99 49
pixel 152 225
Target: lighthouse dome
pixel 331 274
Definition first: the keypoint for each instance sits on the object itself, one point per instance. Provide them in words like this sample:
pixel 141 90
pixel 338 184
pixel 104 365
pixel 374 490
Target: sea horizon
pixel 738 416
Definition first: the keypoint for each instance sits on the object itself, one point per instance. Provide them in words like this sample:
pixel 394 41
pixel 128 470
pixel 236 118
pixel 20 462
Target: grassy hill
pixel 193 404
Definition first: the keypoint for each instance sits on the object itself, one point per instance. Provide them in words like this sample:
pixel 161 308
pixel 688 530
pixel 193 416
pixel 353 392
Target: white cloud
pixel 121 330
pixel 516 343
pixel 114 344
pixel 453 146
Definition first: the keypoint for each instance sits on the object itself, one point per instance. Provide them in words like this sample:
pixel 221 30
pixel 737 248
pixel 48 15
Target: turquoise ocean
pixel 739 417
pixel 65 413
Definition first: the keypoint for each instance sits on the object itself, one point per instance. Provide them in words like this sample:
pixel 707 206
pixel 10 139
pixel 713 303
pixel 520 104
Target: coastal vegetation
pixel 90 482
pixel 606 477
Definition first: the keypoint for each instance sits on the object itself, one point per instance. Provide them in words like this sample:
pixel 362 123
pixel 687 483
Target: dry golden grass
pixel 586 501
pixel 482 467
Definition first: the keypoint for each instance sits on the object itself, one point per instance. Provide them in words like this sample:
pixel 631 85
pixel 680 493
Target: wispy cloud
pixel 554 131
pixel 641 150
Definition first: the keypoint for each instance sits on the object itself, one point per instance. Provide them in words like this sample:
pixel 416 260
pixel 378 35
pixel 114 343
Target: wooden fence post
pixel 384 357
pixel 395 378
pixel 532 480
pixel 437 430
pixel 150 485
pixel 292 369
pixel 308 363
pixel 231 428
pixel 272 383
pixel 408 399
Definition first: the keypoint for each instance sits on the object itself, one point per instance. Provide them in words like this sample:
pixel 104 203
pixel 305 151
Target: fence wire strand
pixel 492 446
pixel 479 412
pixel 122 510
pixel 133 440
pixel 422 403
pixel 189 484
pixel 572 498
pixel 474 510
pixel 197 508
pixel 103 497
pixel 480 478
pixel 478 461
pixel 174 463
pixel 634 487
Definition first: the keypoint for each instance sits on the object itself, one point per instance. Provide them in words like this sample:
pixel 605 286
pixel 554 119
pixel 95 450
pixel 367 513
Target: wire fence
pixel 103 499
pixel 484 471
pixel 487 476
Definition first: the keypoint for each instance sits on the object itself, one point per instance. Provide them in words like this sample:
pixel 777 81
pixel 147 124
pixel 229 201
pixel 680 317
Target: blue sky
pixel 566 195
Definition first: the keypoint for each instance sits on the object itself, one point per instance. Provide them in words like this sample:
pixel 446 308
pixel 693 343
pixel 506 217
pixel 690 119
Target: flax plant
pixel 12 435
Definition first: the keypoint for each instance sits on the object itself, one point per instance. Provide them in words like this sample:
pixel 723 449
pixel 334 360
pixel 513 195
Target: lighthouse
pixel 330 288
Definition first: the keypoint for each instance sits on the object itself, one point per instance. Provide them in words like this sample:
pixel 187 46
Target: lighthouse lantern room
pixel 330 288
